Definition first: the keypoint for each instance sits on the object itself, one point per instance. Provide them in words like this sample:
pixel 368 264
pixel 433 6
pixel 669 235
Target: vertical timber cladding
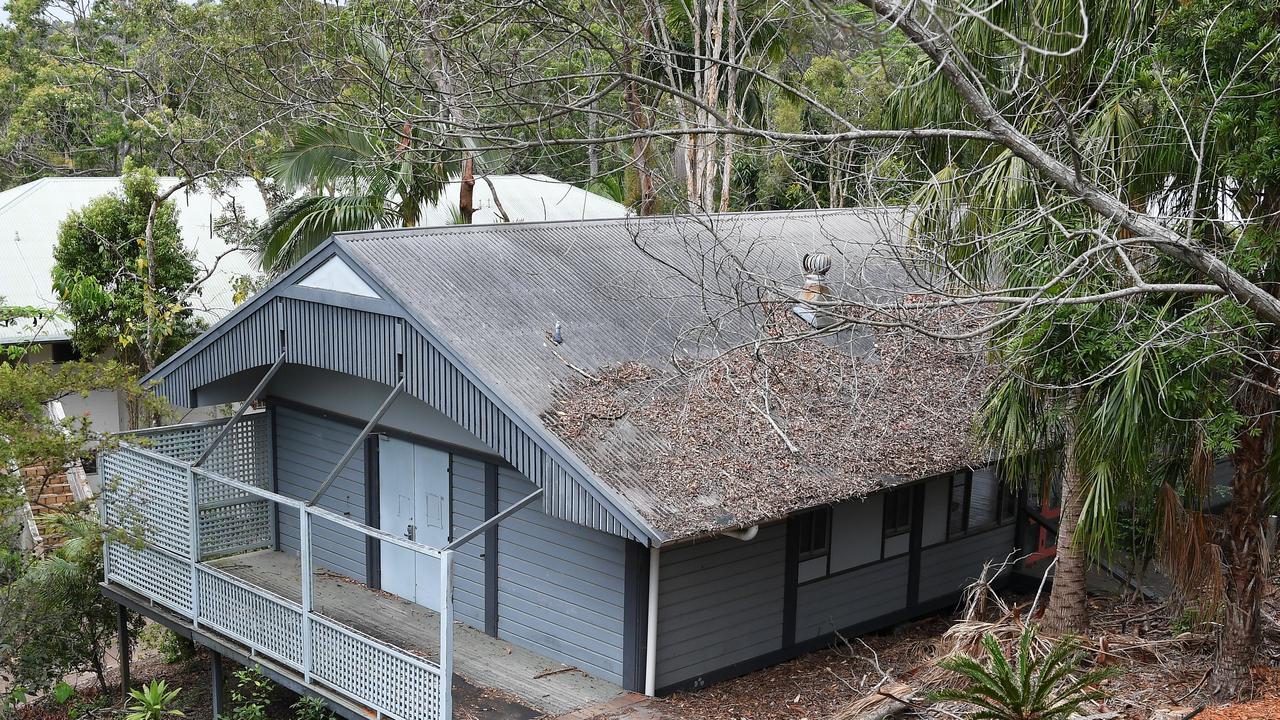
pixel 307 448
pixel 366 345
pixel 561 586
pixel 720 602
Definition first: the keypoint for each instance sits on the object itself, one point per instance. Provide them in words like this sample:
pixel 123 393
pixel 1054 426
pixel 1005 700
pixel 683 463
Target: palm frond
pixel 297 227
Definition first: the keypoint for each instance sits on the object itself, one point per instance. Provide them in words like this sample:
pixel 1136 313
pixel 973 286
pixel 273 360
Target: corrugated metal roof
pixel 647 290
pixel 637 289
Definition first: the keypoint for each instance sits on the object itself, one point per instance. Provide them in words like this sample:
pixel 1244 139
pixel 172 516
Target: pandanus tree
pixel 1165 108
pixel 350 179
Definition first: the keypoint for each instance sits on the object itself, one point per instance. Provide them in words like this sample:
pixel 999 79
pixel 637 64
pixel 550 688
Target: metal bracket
pixel 467 536
pixel 244 407
pixel 358 442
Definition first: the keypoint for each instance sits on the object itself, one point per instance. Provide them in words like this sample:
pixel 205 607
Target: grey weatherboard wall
pixel 468 479
pixel 561 586
pixel 307 448
pixel 950 566
pixel 720 602
pixel 727 606
pixel 837 602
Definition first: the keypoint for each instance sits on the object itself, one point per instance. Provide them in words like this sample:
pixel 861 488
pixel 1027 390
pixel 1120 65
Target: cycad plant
pixel 1052 686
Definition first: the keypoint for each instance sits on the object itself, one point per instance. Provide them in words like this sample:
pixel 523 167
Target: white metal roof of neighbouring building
pixel 30 215
pixel 29 218
pixel 525 198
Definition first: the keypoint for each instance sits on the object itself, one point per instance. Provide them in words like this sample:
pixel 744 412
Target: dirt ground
pixel 1163 656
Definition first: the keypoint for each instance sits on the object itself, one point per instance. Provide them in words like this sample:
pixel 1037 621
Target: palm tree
pixel 983 209
pixel 349 180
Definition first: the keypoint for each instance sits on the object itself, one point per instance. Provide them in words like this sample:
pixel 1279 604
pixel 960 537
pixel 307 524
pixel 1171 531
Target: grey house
pixel 669 487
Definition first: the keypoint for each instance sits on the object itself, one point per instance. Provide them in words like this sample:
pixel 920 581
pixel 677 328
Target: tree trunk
pixel 466 190
pixel 1068 610
pixel 1245 546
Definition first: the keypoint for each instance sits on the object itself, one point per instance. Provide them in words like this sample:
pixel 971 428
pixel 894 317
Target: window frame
pixel 1006 504
pixel 808 526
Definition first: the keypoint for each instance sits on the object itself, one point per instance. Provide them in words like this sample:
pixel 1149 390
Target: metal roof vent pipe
pixel 813 302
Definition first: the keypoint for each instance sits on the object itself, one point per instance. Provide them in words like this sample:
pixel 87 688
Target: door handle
pixel 410 531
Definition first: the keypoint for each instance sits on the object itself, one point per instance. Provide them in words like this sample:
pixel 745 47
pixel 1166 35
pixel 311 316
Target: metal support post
pixel 304 533
pixel 218 689
pixel 446 635
pixel 122 638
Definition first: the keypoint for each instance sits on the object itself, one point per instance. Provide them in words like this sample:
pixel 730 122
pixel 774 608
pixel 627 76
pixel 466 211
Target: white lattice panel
pixel 148 494
pixel 399 686
pixel 148 571
pixel 265 622
pixel 235 529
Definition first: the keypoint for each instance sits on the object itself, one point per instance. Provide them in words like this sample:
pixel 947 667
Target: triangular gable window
pixel 334 274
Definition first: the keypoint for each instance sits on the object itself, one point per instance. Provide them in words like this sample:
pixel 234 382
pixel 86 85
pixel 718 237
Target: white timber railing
pixel 167 518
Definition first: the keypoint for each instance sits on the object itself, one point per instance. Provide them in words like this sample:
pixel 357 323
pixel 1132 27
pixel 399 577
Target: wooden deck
pixel 544 684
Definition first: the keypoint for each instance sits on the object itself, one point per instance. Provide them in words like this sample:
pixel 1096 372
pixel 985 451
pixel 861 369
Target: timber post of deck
pixel 217 685
pixel 122 638
pixel 193 509
pixel 446 632
pixel 304 536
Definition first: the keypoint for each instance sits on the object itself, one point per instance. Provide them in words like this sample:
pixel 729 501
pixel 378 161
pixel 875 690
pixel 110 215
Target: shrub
pixel 311 708
pixel 172 647
pixel 251 695
pixel 1049 687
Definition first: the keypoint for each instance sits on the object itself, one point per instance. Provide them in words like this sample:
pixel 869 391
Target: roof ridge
pixel 363 235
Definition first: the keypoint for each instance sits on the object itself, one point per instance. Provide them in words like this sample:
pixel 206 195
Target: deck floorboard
pixel 482 660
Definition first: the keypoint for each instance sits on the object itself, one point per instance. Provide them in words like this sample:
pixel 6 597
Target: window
pixel 63 352
pixel 815 533
pixel 813 544
pixel 958 510
pixel 897 512
pixel 979 501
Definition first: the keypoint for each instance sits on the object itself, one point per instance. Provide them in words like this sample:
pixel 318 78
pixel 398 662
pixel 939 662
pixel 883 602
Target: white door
pixel 413 503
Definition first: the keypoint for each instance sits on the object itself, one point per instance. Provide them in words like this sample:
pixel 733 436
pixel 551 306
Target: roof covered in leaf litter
pixel 665 383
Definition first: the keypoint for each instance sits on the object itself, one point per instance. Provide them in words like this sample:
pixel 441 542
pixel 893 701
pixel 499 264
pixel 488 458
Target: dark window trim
pixel 977 533
pixel 790 581
pixel 855 568
pixel 490 550
pixel 373 510
pixel 635 615
pixel 885 534
pixel 825 549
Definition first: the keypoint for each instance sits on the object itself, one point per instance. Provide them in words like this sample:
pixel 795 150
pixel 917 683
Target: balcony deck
pixel 482 660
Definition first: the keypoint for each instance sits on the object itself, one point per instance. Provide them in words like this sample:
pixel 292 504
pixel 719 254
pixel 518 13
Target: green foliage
pixel 114 297
pixel 63 692
pixel 153 701
pixel 310 707
pixel 57 621
pixel 355 180
pixel 172 647
pixel 1051 686
pixel 251 695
